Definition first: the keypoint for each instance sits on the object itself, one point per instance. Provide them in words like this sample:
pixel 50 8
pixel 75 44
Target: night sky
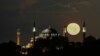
pixel 57 13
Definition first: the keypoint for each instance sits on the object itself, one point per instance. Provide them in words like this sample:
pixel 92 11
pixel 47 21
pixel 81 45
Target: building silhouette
pixel 48 43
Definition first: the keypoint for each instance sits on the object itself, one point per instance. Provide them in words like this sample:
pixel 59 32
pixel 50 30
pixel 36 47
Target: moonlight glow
pixel 73 28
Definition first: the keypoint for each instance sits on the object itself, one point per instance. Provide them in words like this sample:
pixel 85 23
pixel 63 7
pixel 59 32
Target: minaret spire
pixel 64 31
pixel 84 31
pixel 34 27
pixel 34 33
pixel 31 44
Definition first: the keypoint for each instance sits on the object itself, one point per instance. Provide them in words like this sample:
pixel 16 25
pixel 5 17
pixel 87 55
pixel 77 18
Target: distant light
pixel 28 45
pixel 34 29
pixel 65 30
pixel 23 46
pixel 84 29
pixel 26 53
pixel 73 28
pixel 22 53
pixel 59 47
pixel 32 39
pixel 18 33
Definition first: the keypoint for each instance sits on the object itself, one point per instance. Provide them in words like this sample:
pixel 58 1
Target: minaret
pixel 84 31
pixel 34 33
pixel 64 31
pixel 18 37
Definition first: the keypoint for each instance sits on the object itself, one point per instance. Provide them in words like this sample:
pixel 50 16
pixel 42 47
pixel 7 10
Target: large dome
pixel 49 32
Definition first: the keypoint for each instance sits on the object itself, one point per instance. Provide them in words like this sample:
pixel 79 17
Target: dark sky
pixel 57 13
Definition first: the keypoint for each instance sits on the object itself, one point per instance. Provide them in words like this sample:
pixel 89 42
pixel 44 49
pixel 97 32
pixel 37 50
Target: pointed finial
pixel 84 28
pixel 65 30
pixel 83 23
pixel 34 27
pixel 18 30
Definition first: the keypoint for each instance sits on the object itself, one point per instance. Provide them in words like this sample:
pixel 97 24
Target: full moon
pixel 73 28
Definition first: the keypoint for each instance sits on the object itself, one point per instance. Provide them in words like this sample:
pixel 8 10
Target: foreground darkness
pixel 57 46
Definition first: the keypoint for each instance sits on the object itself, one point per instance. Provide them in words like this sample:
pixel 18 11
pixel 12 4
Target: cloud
pixel 27 3
pixel 87 3
pixel 74 5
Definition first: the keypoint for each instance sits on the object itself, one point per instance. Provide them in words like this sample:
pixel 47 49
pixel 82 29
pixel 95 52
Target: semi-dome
pixel 49 32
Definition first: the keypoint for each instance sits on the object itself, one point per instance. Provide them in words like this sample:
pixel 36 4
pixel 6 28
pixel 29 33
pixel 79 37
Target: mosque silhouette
pixel 49 43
